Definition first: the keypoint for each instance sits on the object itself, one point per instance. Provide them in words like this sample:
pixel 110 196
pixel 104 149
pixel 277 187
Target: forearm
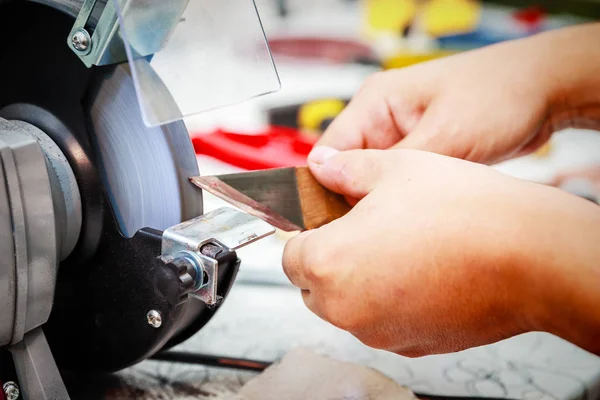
pixel 563 265
pixel 570 62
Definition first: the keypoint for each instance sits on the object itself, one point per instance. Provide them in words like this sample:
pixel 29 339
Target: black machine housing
pixel 108 284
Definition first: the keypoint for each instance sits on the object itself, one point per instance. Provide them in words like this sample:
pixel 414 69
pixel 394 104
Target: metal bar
pixel 84 13
pixel 212 361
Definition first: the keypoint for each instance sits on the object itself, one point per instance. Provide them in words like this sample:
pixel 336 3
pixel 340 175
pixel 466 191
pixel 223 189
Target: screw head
pixel 11 390
pixel 154 318
pixel 81 40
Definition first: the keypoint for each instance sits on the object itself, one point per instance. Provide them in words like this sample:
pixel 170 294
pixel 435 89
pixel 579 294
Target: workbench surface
pixel 265 321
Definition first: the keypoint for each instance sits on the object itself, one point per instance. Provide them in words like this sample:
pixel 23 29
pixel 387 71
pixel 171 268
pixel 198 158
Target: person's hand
pixel 441 254
pixel 485 106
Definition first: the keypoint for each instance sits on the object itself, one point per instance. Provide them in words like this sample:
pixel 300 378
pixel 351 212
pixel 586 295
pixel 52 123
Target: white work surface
pixel 265 322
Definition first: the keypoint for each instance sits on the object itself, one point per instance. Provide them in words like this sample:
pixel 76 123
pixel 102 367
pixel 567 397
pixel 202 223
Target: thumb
pixel 353 173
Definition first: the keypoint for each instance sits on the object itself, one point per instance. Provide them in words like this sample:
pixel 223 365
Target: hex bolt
pixel 11 390
pixel 154 318
pixel 81 40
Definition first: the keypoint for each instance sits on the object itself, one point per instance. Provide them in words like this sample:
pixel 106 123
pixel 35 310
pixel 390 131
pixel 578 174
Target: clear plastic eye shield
pixel 205 53
pixel 186 56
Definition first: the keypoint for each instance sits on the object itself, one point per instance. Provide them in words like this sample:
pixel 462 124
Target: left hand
pixel 441 254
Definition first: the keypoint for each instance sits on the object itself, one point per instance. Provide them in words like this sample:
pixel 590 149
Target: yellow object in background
pixel 390 15
pixel 312 114
pixel 407 59
pixel 450 17
pixel 543 151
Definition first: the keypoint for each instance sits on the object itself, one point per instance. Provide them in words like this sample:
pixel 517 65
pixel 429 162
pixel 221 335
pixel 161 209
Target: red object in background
pixel 532 17
pixel 276 147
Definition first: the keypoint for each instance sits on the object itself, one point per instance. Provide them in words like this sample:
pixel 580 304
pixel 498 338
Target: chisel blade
pixel 288 198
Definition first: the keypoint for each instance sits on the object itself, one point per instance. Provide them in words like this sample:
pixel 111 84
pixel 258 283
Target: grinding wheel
pixel 145 170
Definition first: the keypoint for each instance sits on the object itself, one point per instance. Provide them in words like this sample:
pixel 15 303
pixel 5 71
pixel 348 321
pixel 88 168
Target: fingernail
pixel 320 154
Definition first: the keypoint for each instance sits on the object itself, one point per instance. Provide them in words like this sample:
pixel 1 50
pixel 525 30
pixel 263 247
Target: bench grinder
pixel 106 257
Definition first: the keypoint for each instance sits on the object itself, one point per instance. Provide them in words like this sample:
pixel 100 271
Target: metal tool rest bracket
pixel 105 44
pixel 195 248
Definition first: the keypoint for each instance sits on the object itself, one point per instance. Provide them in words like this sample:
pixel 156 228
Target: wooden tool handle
pixel 319 204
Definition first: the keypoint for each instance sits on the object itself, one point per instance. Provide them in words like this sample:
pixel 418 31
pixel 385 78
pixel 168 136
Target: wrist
pixel 561 265
pixel 569 61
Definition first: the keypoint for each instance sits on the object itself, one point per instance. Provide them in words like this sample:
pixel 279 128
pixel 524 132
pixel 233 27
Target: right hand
pixel 485 106
pixel 441 254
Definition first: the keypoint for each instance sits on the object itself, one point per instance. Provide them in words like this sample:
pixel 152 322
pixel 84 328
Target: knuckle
pixel 371 81
pixel 453 131
pixel 437 128
pixel 290 258
pixel 353 166
pixel 378 126
pixel 372 165
pixel 317 262
pixel 379 112
pixel 344 176
pixel 288 255
pixel 290 271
